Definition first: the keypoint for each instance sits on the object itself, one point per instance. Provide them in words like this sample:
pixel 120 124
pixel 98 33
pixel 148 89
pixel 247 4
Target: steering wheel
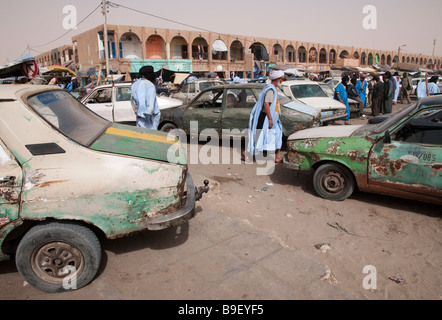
pixel 207 104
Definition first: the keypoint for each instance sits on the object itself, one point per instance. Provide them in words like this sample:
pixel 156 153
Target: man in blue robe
pixel 144 98
pixel 265 128
pixel 361 87
pixel 341 95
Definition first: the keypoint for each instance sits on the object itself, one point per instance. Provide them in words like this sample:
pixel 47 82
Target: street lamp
pixel 399 55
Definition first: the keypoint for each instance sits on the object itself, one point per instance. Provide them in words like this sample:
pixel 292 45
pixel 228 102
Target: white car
pixel 113 102
pixel 311 93
pixel 68 177
pixel 191 89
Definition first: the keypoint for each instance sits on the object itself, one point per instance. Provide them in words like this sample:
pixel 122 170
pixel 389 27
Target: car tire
pixel 168 127
pixel 58 256
pixel 333 181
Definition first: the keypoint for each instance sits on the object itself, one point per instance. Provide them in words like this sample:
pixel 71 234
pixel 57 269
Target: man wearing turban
pixel 144 99
pixel 265 128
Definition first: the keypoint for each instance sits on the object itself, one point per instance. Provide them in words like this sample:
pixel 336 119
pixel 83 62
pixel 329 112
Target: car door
pixel 123 111
pixel 10 186
pixel 205 112
pixel 410 164
pixel 236 115
pixel 100 102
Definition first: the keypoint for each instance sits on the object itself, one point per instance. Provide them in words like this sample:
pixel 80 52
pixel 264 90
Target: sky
pixel 34 25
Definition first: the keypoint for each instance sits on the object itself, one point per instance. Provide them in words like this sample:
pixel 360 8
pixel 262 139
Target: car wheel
pixel 57 256
pixel 333 182
pixel 168 127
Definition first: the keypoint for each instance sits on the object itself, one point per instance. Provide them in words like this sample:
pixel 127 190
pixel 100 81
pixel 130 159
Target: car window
pixel 240 98
pixel 307 91
pixel 209 99
pixel 67 114
pixel 101 96
pixel 394 119
pixel 425 128
pixel 123 94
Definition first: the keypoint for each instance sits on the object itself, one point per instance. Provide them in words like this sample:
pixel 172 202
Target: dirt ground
pixel 397 241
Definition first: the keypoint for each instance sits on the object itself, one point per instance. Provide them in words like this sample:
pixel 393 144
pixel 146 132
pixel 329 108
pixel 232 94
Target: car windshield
pixel 307 91
pixel 67 114
pixel 207 84
pixel 395 118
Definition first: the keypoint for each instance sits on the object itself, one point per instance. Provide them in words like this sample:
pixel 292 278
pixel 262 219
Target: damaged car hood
pixel 325 132
pixel 141 143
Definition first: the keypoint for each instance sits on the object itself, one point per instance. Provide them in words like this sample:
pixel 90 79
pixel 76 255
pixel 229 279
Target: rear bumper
pixel 332 118
pixel 180 216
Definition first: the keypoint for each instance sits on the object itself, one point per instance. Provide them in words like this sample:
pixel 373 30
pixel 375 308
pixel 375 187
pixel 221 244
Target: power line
pixel 42 45
pixel 162 18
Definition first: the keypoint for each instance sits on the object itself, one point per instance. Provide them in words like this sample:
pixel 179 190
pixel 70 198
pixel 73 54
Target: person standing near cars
pixel 144 99
pixel 361 88
pixel 388 93
pixel 353 94
pixel 377 96
pixel 406 88
pixel 342 96
pixel 265 128
pixel 426 88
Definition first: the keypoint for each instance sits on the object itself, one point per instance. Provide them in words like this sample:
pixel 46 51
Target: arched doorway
pixel 332 56
pixel 279 52
pixel 259 51
pixel 302 54
pixel 219 50
pixel 178 48
pixel 130 46
pixel 322 56
pixel 236 51
pixel 200 49
pixel 312 55
pixel 290 53
pixel 155 48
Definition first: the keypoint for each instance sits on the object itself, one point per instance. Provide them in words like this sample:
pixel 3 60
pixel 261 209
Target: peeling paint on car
pixel 401 157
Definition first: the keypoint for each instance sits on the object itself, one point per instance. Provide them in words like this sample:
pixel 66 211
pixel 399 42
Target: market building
pixel 130 47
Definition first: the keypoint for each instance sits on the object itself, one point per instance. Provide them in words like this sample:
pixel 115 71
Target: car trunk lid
pixel 140 142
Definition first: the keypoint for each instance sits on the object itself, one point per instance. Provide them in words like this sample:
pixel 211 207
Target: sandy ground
pixel 368 237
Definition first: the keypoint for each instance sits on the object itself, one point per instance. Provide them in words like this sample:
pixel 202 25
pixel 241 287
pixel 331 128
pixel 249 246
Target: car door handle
pixel 108 105
pixel 7 179
pixel 216 111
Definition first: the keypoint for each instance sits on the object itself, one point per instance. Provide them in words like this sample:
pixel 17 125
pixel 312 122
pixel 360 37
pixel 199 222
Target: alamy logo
pixel 370 20
pixel 70 20
pixel 370 280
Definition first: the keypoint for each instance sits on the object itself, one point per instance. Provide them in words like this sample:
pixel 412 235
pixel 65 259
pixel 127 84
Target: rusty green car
pixel 68 176
pixel 401 156
pixel 226 108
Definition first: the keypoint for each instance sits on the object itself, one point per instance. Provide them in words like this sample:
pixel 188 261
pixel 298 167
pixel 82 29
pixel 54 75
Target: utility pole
pixel 106 49
pixel 399 55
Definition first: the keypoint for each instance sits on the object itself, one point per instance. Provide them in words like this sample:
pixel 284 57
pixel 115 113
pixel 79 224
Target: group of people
pixel 383 93
pixel 356 89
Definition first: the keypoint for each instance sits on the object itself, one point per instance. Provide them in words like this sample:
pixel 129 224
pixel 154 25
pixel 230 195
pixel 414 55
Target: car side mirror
pixel 387 137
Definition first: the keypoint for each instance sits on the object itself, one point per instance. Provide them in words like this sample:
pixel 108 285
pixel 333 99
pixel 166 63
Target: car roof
pixel 434 100
pixel 290 82
pixel 239 86
pixel 10 91
pixel 116 84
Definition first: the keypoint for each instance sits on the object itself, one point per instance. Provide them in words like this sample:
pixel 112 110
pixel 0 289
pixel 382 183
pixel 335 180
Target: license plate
pixel 327 113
